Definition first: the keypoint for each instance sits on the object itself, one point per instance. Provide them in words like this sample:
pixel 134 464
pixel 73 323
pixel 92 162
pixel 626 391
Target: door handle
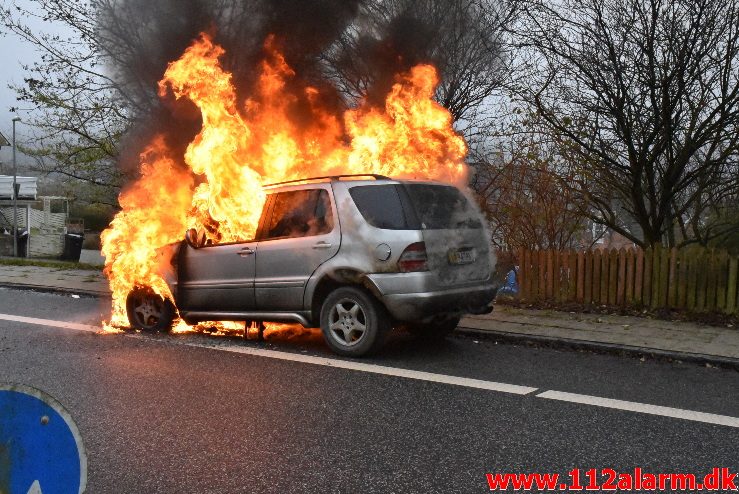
pixel 322 245
pixel 246 251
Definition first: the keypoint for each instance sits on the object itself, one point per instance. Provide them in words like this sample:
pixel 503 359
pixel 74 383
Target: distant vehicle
pixel 353 256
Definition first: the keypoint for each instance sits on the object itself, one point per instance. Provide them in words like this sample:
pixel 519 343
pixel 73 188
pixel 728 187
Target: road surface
pixel 202 413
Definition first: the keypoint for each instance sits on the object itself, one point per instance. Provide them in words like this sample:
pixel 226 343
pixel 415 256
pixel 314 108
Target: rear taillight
pixel 413 258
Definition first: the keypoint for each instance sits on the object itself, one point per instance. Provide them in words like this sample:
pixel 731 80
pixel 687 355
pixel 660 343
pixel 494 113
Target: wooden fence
pixel 695 279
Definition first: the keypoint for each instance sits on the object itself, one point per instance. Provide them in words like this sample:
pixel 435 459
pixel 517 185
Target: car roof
pixel 355 180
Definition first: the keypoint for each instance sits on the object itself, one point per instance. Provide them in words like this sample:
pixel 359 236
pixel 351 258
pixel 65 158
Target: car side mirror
pixel 191 237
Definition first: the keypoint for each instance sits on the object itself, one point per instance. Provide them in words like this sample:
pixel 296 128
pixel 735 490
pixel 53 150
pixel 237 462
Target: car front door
pixel 218 278
pixel 301 233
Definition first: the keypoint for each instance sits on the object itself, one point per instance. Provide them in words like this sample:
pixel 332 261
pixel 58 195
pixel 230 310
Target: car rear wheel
pixel 148 311
pixel 434 330
pixel 353 322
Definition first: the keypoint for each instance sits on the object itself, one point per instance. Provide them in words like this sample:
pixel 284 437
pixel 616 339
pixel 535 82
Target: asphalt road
pixel 193 413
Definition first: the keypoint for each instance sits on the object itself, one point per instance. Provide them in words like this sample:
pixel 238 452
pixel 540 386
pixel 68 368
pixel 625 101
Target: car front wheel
pixel 148 311
pixel 353 322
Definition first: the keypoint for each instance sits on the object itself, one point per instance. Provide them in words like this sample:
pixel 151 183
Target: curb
pixel 55 289
pixel 600 347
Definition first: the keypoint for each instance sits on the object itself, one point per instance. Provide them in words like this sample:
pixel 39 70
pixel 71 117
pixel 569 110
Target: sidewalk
pixel 74 281
pixel 677 340
pixel 674 339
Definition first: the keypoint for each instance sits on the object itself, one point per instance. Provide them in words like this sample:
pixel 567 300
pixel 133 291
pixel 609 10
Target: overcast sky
pixel 14 53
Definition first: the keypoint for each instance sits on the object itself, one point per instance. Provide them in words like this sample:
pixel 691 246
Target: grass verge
pixel 58 265
pixel 712 318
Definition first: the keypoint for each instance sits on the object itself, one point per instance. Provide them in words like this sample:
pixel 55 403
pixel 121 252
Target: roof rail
pixel 330 177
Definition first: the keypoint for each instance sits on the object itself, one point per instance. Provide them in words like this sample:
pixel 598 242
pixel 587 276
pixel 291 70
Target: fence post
pixel 612 276
pixel 621 289
pixel 529 274
pixel 572 277
pixel 604 265
pixel 722 275
pixel 647 287
pixel 656 262
pixel 701 279
pixel 580 282
pixel 564 275
pixel 682 278
pixel 542 274
pixel 731 295
pixel 692 280
pixel 710 285
pixel 550 275
pixel 664 271
pixel 523 274
pixel 556 274
pixel 639 276
pixel 588 275
pixel 672 279
pixel 629 295
pixel 596 276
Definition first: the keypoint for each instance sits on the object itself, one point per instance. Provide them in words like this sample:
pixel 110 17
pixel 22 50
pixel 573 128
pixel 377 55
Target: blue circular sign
pixel 41 449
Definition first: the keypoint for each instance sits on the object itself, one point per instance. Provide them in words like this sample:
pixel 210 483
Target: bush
pixel 97 216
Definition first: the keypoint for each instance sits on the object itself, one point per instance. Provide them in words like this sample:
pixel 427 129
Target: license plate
pixel 466 256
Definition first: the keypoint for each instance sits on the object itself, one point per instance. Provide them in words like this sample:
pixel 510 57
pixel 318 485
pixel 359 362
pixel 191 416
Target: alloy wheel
pixel 347 322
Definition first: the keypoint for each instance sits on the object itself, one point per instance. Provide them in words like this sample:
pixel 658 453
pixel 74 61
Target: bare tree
pixel 645 93
pixel 79 119
pixel 522 188
pixel 98 81
pixel 95 92
pixel 464 39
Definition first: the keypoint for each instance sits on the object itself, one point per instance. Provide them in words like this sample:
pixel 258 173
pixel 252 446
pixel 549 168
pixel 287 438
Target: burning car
pixel 355 255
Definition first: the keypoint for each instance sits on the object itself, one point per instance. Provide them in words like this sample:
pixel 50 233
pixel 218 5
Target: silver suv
pixel 353 255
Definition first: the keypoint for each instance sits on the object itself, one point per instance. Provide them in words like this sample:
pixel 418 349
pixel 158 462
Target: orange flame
pixel 239 149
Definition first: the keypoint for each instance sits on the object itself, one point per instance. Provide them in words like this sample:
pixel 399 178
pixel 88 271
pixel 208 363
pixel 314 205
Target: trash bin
pixel 72 247
pixel 22 243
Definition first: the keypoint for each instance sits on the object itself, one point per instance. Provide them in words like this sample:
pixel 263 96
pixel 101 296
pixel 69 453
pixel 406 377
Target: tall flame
pixel 241 147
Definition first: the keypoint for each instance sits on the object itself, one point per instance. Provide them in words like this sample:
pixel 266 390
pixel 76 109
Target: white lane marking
pixel 51 322
pixel 633 406
pixel 308 359
pixel 374 369
pixel 630 406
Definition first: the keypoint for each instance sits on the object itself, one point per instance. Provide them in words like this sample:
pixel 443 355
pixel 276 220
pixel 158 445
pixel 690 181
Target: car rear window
pixel 442 207
pixel 415 206
pixel 380 206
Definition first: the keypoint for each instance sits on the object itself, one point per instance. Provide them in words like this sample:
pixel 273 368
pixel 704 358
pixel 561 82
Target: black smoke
pixel 351 50
pixel 140 37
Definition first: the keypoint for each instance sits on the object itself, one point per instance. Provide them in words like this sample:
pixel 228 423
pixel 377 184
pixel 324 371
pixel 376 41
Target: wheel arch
pixel 334 279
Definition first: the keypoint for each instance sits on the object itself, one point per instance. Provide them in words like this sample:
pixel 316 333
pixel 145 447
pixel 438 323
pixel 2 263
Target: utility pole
pixel 15 195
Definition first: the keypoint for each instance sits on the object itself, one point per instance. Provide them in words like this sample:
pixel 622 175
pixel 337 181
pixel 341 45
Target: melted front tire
pixel 148 311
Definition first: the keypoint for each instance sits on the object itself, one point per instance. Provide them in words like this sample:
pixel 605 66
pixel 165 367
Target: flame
pixel 154 213
pixel 277 134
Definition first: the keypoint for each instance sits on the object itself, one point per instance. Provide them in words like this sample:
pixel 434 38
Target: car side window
pixel 300 213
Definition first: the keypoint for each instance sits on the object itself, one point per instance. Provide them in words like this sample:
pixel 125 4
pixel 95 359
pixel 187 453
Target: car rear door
pixel 301 233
